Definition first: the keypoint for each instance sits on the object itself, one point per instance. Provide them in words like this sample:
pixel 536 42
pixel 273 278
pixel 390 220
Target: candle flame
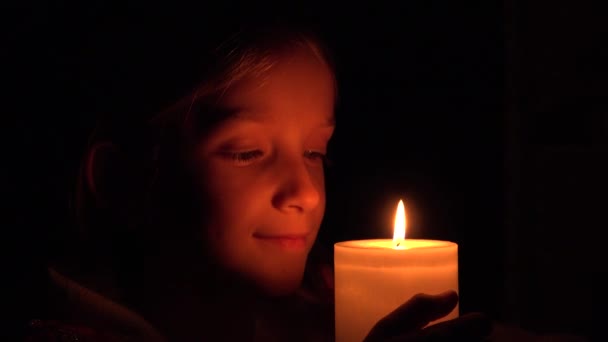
pixel 399 227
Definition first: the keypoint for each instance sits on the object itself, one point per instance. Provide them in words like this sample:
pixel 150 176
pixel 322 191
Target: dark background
pixel 488 118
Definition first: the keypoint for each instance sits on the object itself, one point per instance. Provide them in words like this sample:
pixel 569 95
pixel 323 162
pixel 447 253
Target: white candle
pixel 374 277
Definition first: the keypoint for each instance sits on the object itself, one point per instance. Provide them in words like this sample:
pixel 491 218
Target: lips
pixel 296 241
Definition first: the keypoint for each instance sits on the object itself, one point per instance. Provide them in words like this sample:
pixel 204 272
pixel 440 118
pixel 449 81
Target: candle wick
pixel 398 243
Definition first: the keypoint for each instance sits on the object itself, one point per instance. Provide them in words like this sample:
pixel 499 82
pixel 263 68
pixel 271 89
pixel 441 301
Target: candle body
pixel 372 279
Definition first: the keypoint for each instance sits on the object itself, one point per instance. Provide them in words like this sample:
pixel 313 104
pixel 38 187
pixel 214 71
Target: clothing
pixel 83 315
pixel 86 316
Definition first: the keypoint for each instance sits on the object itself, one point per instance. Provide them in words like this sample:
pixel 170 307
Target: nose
pixel 298 190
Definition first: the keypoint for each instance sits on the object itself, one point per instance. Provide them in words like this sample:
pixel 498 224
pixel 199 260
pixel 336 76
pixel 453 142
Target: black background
pixel 488 118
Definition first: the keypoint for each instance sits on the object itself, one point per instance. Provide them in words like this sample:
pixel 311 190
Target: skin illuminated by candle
pixel 293 242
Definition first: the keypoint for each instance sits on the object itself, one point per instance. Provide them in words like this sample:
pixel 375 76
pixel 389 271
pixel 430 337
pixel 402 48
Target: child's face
pixel 261 171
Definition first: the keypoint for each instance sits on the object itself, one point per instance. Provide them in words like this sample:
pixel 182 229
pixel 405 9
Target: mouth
pixel 284 241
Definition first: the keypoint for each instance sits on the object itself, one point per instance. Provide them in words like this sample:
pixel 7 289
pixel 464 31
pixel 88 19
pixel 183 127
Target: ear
pixel 102 162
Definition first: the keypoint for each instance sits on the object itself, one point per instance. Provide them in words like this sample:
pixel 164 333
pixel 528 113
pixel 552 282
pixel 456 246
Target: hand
pixel 407 323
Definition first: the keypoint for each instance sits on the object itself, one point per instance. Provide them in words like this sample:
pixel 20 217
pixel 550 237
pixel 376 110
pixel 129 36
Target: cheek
pixel 230 189
pixel 231 200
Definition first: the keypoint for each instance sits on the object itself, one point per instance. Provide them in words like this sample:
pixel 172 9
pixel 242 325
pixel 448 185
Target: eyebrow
pixel 243 113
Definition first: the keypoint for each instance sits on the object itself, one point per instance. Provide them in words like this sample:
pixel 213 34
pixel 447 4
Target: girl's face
pixel 261 172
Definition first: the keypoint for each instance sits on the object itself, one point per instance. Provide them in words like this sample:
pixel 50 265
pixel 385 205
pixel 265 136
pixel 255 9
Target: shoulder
pixel 77 313
pixel 52 330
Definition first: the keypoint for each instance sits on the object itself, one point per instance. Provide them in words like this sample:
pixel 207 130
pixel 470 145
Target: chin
pixel 280 283
pixel 279 288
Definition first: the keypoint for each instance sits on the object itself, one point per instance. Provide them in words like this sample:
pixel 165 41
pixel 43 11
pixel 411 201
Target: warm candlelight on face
pixel 374 277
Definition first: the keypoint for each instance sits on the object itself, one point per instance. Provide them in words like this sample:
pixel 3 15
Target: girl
pixel 201 219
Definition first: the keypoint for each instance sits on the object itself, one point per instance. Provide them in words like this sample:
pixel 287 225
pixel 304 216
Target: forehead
pixel 299 84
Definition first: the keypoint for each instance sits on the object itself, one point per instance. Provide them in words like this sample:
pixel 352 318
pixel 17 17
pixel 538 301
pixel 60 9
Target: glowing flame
pixel 399 227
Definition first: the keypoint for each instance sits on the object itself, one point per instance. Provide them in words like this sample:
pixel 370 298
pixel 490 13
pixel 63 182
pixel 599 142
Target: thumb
pixel 416 313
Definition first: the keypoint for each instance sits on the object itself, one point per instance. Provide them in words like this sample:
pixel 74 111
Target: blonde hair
pixel 246 54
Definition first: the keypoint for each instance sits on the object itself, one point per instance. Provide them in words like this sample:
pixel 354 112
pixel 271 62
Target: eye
pixel 244 157
pixel 317 156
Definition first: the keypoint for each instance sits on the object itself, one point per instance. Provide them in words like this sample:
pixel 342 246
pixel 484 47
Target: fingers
pixel 414 314
pixel 421 310
pixel 469 327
